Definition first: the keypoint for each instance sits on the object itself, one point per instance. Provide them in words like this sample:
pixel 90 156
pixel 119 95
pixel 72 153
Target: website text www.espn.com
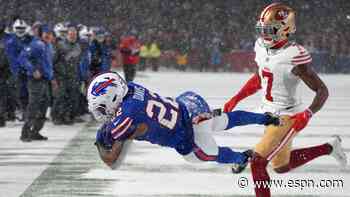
pixel 294 183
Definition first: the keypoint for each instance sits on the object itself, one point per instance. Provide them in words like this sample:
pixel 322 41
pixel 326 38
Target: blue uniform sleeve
pixel 84 65
pixel 118 129
pixel 8 36
pixel 122 127
pixel 11 53
pixel 47 61
pixel 103 136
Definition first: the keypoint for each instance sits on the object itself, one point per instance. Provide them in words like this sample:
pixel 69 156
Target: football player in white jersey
pixel 282 64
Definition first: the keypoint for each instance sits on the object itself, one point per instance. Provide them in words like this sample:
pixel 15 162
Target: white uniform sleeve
pixel 302 56
pixel 256 46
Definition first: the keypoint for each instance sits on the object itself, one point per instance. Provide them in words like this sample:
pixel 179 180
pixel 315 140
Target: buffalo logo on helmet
pixel 100 88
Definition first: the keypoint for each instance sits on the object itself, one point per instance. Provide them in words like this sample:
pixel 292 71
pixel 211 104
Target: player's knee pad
pixel 258 166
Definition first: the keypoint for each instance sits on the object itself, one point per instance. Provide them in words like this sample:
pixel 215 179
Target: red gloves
pixel 301 119
pixel 252 86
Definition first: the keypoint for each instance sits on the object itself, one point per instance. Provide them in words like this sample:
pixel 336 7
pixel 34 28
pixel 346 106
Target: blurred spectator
pixel 182 61
pixel 144 56
pixel 60 31
pixel 181 21
pixel 150 52
pixel 35 28
pixel 109 44
pixel 7 95
pixel 14 45
pixel 101 56
pixel 130 50
pixel 86 37
pixel 37 61
pixel 67 77
pixel 215 56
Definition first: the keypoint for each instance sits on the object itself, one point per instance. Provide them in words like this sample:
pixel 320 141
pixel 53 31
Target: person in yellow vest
pixel 150 54
pixel 154 53
pixel 144 56
pixel 182 61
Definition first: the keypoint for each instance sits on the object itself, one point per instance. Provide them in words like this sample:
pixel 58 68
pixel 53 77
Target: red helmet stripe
pixel 104 85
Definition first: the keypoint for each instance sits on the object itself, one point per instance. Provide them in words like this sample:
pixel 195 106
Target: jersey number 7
pixel 163 105
pixel 269 77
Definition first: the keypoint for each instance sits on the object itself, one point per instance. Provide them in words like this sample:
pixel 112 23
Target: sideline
pixel 21 163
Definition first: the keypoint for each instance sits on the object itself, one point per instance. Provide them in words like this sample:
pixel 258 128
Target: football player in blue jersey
pixel 186 123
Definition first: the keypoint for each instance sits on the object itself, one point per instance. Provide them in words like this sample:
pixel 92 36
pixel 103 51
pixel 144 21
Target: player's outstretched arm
pixel 313 81
pixel 113 148
pixel 251 87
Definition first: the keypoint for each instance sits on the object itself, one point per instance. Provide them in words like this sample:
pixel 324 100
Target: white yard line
pixel 21 163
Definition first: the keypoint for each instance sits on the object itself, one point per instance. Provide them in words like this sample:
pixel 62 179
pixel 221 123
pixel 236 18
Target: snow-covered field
pixel 68 165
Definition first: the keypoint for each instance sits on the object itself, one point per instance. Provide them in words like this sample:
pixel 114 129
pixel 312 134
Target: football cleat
pixel 238 168
pixel 338 152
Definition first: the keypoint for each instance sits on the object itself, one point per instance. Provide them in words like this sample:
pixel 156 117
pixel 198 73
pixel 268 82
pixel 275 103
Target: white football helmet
pixel 105 94
pixel 60 30
pixel 20 28
pixel 85 33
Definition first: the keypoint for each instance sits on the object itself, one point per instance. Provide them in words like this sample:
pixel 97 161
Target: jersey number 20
pixel 163 110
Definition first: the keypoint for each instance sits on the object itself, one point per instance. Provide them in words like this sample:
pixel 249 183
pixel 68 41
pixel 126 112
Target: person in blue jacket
pixel 36 58
pixel 7 85
pixel 14 44
pixel 100 54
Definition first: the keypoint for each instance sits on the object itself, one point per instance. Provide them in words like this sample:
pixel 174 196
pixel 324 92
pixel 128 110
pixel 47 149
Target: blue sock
pixel 240 118
pixel 227 155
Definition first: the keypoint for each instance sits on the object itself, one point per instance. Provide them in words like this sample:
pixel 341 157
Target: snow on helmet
pixel 60 30
pixel 20 28
pixel 85 32
pixel 105 93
